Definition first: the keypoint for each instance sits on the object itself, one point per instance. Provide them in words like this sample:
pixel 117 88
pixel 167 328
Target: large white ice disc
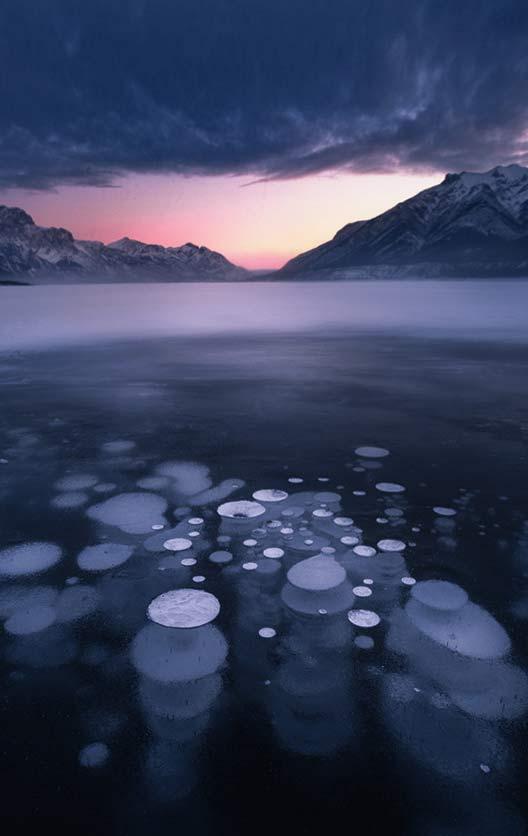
pixel 371 452
pixel 316 574
pixel 28 559
pixel 270 495
pixel 184 608
pixel 242 509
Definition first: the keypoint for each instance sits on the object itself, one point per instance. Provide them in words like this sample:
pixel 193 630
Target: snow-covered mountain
pixel 469 225
pixel 35 254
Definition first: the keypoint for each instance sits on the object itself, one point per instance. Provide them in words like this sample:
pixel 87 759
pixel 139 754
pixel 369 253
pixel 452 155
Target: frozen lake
pixel 352 628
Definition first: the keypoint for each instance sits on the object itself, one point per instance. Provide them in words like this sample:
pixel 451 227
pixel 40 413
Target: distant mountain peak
pixel 472 223
pixel 41 253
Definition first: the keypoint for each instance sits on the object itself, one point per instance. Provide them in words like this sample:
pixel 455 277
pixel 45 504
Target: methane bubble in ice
pixel 444 512
pixel 189 477
pixel 104 556
pixel 327 496
pixel 364 551
pixel 362 591
pixel 389 487
pixel 363 618
pixel 349 540
pixel 364 642
pixel 271 495
pixel 120 446
pixel 343 521
pixel 295 480
pixel 188 561
pixel 316 574
pixel 243 509
pixel 134 513
pixel 165 656
pixel 177 544
pixel 391 545
pixel 221 557
pixel 104 487
pixel 250 542
pixel 274 553
pixel 95 754
pixel 408 581
pixel 371 452
pixel 25 621
pixel 198 578
pixel 184 608
pixel 153 483
pixel 441 595
pixel 267 632
pixel 78 482
pixel 28 559
pixel 73 499
pixel 196 521
pixel 76 602
pixel 249 566
pixel 322 513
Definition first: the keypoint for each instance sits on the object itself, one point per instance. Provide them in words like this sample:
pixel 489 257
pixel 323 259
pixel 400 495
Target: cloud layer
pixel 267 88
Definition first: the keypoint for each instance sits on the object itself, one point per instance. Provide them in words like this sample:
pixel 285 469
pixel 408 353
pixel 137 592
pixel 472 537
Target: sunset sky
pixel 255 127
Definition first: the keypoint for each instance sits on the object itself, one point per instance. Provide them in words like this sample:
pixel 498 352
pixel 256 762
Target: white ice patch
pixel 177 544
pixel 221 557
pixel 28 559
pixel 267 632
pixel 363 618
pixel 241 509
pixel 391 545
pixel 362 591
pixel 189 477
pixel 270 495
pixel 316 574
pixel 184 608
pixel 371 452
pixel 76 482
pixel 274 553
pixel 134 513
pixel 28 620
pixel 117 447
pixel 389 487
pixel 103 556
pixel 364 551
pixel 444 512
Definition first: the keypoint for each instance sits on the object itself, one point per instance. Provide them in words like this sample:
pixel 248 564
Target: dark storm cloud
pixel 268 88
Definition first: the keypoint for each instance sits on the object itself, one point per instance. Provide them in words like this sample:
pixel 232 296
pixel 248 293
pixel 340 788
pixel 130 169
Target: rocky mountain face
pixel 469 225
pixel 35 254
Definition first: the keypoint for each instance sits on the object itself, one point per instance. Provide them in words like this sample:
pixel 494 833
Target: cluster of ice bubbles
pixel 302 573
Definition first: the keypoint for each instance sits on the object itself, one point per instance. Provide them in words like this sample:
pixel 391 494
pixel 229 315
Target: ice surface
pixel 316 574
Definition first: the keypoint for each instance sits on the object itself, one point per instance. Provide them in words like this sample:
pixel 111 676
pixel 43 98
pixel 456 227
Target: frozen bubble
pixel 391 545
pixel 249 566
pixel 327 496
pixel 74 499
pixel 309 542
pixel 393 512
pixel 134 513
pixel 363 618
pixel 153 483
pixel 444 512
pixel 267 632
pixel 189 477
pixel 177 544
pixel 184 608
pixel 485 768
pixel 165 656
pixel 368 581
pixel 250 542
pixel 17 596
pixel 364 642
pixel 28 559
pixel 316 574
pixel 364 551
pixel 349 540
pixel 440 595
pixel 371 452
pixel 77 482
pixel 362 591
pixel 95 754
pixel 295 480
pixel 157 527
pixel 359 493
pixel 223 539
pixel 271 495
pixel 119 446
pixel 198 578
pixel 323 479
pixel 196 521
pixel 221 557
pixel 344 521
pixel 104 487
pixel 188 561
pixel 242 509
pixel 194 534
pixel 408 581
pixel 274 553
pixel 104 556
pixel 328 550
pixel 322 611
pixel 382 520
pixel 34 619
pixel 322 513
pixel 274 524
pixel 389 487
pixel 286 530
pixel 76 602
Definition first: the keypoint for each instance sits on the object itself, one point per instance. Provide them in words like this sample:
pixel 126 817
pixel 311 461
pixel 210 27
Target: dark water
pixel 222 731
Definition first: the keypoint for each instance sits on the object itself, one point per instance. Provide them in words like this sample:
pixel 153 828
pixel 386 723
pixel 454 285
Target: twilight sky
pixel 154 118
